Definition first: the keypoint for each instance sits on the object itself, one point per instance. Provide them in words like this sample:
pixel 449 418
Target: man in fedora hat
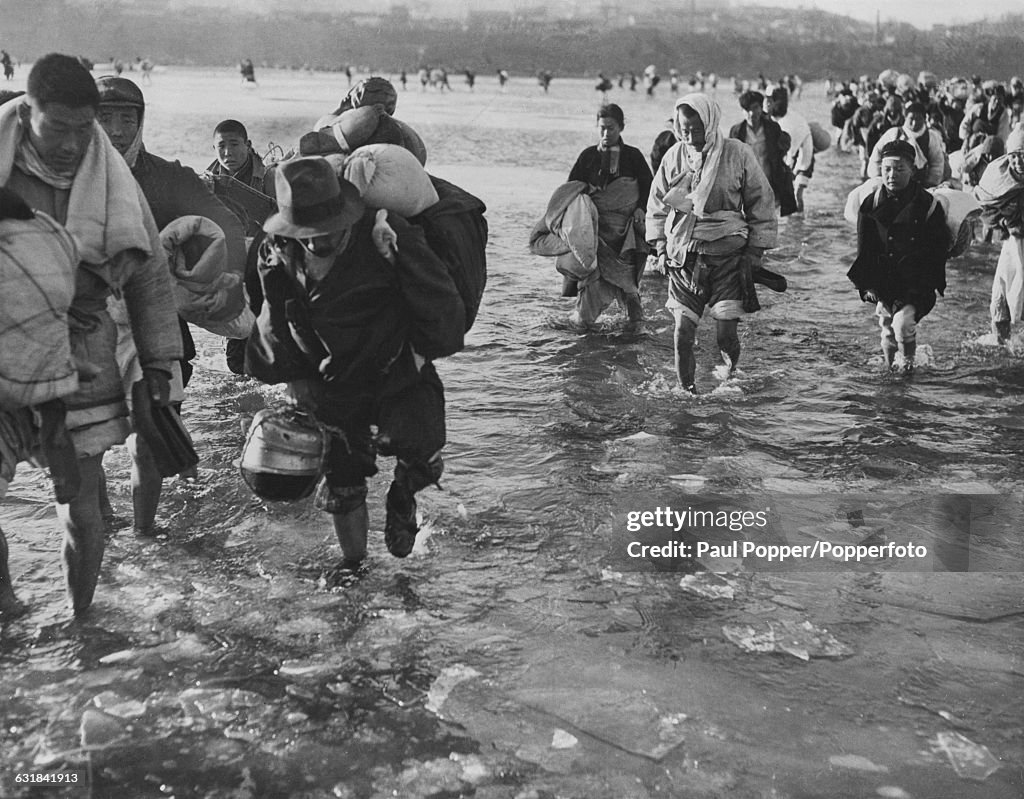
pixel 356 306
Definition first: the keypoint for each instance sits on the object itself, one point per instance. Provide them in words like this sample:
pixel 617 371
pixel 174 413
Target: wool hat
pixel 899 148
pixel 312 200
pixel 1015 141
pixel 115 90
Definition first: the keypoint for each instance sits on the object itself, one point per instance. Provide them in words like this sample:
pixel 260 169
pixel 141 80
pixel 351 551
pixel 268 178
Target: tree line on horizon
pixel 814 44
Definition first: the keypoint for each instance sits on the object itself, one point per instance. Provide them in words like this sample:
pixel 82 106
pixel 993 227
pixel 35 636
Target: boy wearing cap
pixel 902 245
pixel 354 312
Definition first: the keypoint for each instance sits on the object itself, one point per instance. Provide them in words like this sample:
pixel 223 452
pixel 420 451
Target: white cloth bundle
pixel 389 176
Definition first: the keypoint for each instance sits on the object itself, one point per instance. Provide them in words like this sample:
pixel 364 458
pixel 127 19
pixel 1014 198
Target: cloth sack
pixel 38 259
pixel 389 176
pixel 962 213
pixel 820 138
pixel 456 230
pixel 355 127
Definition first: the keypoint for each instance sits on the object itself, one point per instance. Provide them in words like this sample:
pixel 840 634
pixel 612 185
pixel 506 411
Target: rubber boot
pixel 350 517
pixel 400 526
pixel 351 529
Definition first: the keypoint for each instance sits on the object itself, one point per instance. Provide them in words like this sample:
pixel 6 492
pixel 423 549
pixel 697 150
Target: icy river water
pixel 520 652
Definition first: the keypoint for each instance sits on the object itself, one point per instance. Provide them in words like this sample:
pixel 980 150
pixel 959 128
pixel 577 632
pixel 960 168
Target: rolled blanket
pixel 37 269
pixel 204 291
pixel 239 327
pixel 104 215
pixel 568 231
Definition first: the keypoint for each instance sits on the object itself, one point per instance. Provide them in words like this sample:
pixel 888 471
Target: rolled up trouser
pixel 410 426
pixel 707 281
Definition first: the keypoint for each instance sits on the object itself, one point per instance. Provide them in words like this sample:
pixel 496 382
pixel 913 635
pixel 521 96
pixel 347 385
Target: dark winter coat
pixel 632 164
pixel 780 176
pixel 902 246
pixel 355 329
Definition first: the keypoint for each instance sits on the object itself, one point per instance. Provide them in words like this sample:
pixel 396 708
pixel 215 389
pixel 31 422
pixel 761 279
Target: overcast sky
pixel 922 13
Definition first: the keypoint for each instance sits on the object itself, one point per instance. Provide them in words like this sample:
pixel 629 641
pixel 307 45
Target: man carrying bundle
pixel 355 309
pixel 37 266
pixel 55 155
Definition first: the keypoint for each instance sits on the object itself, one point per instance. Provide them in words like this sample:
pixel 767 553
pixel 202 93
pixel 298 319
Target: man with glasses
pixel 356 307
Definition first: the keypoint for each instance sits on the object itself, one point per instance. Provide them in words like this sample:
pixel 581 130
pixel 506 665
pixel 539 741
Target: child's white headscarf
pixel 703 163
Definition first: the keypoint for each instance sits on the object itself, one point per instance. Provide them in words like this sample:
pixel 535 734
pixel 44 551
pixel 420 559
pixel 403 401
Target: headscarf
pixel 703 164
pixel 1015 141
pixel 132 153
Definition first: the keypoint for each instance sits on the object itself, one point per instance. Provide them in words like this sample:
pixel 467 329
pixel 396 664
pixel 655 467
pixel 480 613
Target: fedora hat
pixel 312 200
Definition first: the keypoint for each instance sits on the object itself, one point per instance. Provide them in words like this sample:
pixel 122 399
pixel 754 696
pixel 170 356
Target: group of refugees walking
pixel 359 270
pixel 965 135
pixel 711 208
pixel 704 218
pixel 345 269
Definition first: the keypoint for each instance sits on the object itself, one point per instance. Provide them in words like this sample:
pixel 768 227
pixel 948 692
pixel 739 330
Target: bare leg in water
pixel 84 531
pixel 686 363
pixel 727 334
pixel 9 604
pixel 146 486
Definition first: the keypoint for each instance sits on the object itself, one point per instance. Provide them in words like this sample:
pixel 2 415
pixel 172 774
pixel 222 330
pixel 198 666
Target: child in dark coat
pixel 902 246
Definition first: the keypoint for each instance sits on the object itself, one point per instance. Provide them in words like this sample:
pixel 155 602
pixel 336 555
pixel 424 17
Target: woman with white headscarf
pixel 710 217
